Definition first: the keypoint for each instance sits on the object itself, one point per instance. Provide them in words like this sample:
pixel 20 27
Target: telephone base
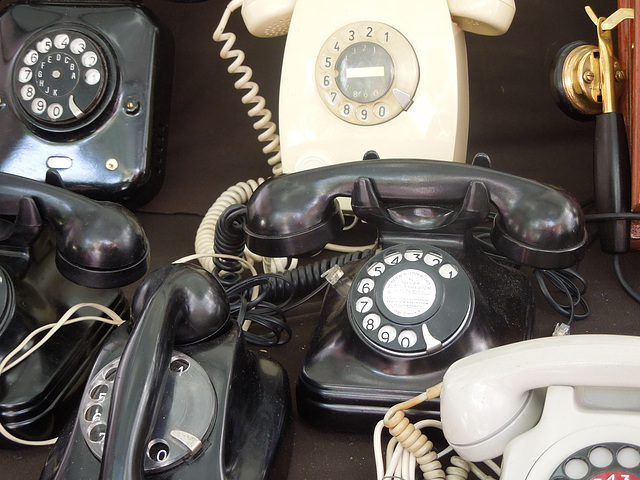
pixel 113 145
pixel 248 437
pixel 38 395
pixel 346 384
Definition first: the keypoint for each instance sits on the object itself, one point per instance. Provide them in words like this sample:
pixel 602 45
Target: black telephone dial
pixel 394 323
pixel 84 96
pixel 57 249
pixel 210 408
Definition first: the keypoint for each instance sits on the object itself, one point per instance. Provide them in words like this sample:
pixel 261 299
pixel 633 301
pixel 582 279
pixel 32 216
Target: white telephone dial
pixel 363 75
pixel 557 408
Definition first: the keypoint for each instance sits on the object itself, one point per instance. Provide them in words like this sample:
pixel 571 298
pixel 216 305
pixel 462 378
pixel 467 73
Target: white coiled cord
pixel 409 447
pixel 240 192
pixel 205 235
pixel 244 83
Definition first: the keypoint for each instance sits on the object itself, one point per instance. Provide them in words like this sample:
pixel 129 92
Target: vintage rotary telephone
pixel 57 249
pixel 555 408
pixel 84 96
pixel 396 321
pixel 359 76
pixel 178 396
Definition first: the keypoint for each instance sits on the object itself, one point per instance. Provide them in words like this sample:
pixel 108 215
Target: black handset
pixel 99 245
pixel 55 247
pixel 85 90
pixel 180 396
pixel 536 224
pixel 395 321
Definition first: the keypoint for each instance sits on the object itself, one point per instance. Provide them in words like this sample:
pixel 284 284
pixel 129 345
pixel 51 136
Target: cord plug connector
pixel 561 329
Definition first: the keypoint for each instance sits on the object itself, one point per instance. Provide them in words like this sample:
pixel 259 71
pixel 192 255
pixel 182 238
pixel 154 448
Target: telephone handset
pixel 56 247
pixel 535 225
pixel 397 320
pixel 178 396
pixel 100 245
pixel 557 407
pixel 83 94
pixel 358 77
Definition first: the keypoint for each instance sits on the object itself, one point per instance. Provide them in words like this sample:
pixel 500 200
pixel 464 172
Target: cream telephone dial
pixel 363 75
pixel 556 408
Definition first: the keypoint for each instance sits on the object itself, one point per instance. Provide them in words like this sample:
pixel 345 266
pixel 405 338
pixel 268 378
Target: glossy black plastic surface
pixel 116 149
pixel 535 225
pixel 38 396
pixel 252 392
pixel 612 180
pixel 100 245
pixel 346 384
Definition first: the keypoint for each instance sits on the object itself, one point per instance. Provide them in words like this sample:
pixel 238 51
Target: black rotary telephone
pixel 57 249
pixel 394 323
pixel 178 396
pixel 85 90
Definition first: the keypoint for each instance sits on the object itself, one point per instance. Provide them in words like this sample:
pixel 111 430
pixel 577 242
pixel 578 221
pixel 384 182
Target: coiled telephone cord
pixel 240 192
pixel 408 440
pixel 244 83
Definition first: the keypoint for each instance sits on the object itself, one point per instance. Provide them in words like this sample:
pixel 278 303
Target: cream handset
pixel 555 408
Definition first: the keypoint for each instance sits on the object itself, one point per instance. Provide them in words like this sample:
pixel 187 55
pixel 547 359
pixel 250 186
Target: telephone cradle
pixel 57 249
pixel 192 403
pixel 396 321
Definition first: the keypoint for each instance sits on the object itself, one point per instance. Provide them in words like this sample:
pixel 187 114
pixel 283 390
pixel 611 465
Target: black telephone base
pixel 38 396
pixel 248 437
pixel 104 136
pixel 348 385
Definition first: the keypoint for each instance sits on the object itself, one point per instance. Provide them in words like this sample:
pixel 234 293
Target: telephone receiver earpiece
pixel 176 304
pixel 198 302
pixel 98 244
pixel 295 214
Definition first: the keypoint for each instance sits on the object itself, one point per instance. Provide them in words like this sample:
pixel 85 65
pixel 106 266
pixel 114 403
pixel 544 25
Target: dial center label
pixel 409 293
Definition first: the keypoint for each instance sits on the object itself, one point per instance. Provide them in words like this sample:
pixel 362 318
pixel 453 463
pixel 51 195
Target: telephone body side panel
pixel 348 384
pixel 85 95
pixel 592 430
pixel 39 394
pixel 422 49
pixel 243 430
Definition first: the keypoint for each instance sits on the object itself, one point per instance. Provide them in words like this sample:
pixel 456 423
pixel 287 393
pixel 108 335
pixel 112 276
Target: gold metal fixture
pixel 587 79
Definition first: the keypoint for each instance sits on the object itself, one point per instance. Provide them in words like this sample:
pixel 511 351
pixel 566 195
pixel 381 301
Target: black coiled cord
pixel 276 292
pixel 229 239
pixel 303 280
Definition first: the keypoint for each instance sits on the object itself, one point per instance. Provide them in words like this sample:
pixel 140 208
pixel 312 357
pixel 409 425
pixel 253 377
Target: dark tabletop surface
pixel 514 119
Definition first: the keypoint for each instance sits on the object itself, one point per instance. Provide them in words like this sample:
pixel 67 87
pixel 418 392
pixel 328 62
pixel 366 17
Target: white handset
pixel 267 18
pixel 557 407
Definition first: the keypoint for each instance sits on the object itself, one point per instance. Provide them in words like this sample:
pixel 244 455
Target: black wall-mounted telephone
pixel 208 409
pixel 397 320
pixel 85 90
pixel 55 246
